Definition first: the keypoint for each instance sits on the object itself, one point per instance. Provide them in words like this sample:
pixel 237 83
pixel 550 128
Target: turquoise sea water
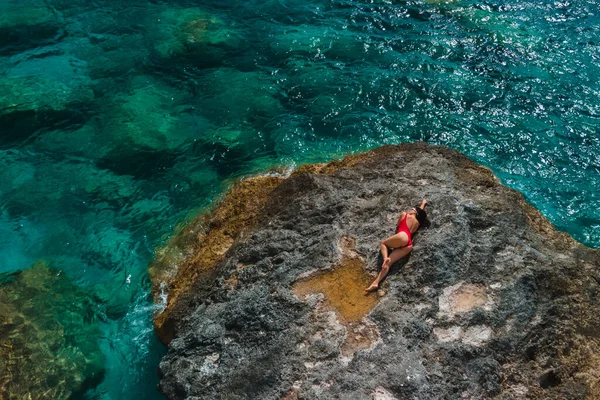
pixel 118 118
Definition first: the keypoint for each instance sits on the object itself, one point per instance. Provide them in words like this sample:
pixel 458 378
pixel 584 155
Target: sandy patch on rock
pixel 343 292
pixel 463 297
pixel 343 285
pixel 381 394
pixel 451 334
pixel 474 335
pixel 359 336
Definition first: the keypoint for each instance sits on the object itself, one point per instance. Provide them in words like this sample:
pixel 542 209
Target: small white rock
pixel 451 334
pixel 477 335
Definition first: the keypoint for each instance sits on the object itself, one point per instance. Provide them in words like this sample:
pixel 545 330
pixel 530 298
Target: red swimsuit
pixel 403 227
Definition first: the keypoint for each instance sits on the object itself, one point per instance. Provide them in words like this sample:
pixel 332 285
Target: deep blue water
pixel 119 118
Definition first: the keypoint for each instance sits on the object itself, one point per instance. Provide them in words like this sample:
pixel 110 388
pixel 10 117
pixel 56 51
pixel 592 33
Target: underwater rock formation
pixel 265 298
pixel 189 30
pixel 48 336
pixel 30 100
pixel 140 121
pixel 24 25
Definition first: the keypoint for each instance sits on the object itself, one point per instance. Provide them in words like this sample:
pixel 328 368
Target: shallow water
pixel 119 118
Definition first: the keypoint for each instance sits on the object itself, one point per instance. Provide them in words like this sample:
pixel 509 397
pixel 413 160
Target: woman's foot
pixel 374 286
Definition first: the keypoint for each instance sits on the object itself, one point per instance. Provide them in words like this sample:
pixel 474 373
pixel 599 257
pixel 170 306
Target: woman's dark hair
pixel 421 215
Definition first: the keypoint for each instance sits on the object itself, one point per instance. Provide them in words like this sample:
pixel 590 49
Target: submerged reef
pixel 265 292
pixel 189 30
pixel 48 336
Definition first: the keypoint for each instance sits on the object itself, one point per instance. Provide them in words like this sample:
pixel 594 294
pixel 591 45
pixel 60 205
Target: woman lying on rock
pixel 400 243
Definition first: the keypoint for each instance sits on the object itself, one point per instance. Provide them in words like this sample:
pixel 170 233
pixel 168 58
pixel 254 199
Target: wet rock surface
pixel 492 303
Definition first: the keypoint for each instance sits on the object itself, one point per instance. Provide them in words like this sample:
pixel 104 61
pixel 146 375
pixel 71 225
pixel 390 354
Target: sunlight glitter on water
pixel 119 118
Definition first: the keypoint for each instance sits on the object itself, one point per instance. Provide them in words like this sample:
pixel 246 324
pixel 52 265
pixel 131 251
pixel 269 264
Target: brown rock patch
pixel 359 336
pixel 343 286
pixel 467 297
pixel 343 289
pixel 461 298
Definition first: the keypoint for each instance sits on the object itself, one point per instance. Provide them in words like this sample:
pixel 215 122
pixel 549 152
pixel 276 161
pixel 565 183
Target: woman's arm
pixel 423 204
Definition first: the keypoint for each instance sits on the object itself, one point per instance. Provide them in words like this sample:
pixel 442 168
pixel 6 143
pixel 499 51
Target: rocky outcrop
pixel 266 296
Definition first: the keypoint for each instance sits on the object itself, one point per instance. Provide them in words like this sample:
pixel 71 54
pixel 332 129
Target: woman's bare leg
pixel 397 241
pixel 385 268
pixel 384 251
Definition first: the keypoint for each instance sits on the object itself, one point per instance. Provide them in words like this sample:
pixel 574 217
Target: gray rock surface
pixel 492 303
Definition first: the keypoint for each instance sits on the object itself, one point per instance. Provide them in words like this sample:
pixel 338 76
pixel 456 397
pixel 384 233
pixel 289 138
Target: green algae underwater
pixel 119 119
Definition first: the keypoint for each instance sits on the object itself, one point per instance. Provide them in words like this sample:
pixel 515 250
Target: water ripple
pixel 119 118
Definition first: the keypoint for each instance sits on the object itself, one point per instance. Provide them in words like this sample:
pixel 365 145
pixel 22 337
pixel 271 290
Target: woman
pixel 401 242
